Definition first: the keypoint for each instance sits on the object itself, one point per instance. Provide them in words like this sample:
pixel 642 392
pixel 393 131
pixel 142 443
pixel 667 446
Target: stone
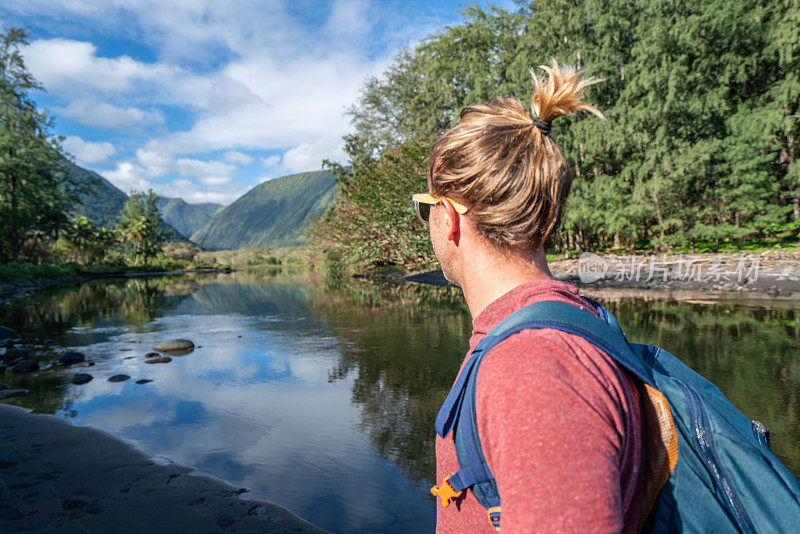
pixel 152 355
pixel 15 353
pixel 143 381
pixel 7 333
pixel 70 357
pixel 81 378
pixel 160 359
pixel 25 366
pixel 119 378
pixel 8 393
pixel 175 345
pixel 3 386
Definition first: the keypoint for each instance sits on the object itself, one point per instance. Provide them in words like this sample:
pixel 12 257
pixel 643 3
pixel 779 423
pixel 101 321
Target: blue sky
pixel 204 99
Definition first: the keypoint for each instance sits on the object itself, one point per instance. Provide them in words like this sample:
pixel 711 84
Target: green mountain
pixel 209 208
pixel 272 214
pixel 184 217
pixel 99 199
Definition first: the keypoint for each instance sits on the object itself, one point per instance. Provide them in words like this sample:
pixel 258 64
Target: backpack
pixel 709 468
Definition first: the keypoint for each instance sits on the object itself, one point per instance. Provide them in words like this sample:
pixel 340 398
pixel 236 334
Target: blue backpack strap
pixel 458 409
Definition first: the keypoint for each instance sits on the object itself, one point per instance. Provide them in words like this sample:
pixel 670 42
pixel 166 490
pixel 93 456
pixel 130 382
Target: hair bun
pixel 561 93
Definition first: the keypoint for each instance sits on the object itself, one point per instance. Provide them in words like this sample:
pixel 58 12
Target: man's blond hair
pixel 503 164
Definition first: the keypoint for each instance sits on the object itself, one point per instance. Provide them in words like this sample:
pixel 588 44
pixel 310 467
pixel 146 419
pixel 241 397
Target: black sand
pixel 57 477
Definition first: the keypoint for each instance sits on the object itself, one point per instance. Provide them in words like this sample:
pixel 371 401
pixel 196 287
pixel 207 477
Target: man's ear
pixel 452 222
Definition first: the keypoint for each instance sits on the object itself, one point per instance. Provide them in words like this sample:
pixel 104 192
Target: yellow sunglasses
pixel 424 201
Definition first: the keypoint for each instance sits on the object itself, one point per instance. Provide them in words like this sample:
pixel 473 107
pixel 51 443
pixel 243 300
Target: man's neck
pixel 485 278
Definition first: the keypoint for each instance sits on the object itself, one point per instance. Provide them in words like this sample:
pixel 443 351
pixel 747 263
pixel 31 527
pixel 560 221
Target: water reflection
pixel 322 397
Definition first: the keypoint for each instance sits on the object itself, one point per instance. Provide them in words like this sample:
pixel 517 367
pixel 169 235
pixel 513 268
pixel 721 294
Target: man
pixel 559 421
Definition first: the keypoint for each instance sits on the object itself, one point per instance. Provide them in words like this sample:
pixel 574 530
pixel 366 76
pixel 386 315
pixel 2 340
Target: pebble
pixel 8 393
pixel 152 355
pixel 144 381
pixel 174 345
pixel 81 378
pixel 15 353
pixel 160 359
pixel 70 357
pixel 118 378
pixel 25 366
pixel 7 333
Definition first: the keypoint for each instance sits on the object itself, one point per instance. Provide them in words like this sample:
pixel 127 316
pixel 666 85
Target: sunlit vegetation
pixel 698 151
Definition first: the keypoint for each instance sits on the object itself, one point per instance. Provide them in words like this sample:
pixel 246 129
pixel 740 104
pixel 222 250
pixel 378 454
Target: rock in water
pixel 25 366
pixel 143 381
pixel 3 386
pixel 118 378
pixel 81 378
pixel 8 393
pixel 175 345
pixel 70 357
pixel 16 352
pixel 160 359
pixel 7 333
pixel 152 355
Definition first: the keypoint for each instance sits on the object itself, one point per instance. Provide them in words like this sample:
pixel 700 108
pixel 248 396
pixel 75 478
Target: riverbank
pixel 58 477
pixel 770 273
pixel 13 289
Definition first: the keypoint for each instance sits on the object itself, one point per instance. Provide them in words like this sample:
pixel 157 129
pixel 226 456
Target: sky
pixel 204 99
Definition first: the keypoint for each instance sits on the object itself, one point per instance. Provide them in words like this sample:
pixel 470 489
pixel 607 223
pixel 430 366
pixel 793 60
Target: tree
pixel 86 243
pixel 140 225
pixel 34 194
pixel 371 224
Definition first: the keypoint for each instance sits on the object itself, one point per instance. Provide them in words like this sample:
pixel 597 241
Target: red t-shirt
pixel 560 427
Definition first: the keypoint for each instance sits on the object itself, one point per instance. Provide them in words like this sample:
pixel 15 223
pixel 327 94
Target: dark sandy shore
pixel 60 478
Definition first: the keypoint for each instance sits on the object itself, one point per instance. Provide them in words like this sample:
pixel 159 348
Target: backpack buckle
pixel 445 492
pixel 494 517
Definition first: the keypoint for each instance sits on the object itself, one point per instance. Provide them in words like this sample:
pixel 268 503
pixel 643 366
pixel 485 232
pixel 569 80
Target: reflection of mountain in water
pixel 269 298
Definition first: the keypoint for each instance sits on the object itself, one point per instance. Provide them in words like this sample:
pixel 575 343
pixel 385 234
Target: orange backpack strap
pixel 661 445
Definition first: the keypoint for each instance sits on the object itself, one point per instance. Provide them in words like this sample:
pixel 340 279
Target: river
pixel 320 396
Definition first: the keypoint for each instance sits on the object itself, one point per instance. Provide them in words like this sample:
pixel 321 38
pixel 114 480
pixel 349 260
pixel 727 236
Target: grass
pixel 29 271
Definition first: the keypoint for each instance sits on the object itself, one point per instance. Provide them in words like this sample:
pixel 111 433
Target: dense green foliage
pixel 272 214
pixel 701 100
pixel 140 226
pixel 34 194
pixel 370 225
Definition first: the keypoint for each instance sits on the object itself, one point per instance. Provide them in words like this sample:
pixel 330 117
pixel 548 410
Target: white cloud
pixel 198 194
pixel 271 161
pixel 309 156
pixel 236 157
pixel 208 172
pixel 88 152
pixel 109 116
pixel 73 66
pixel 349 18
pixel 221 77
pixel 127 176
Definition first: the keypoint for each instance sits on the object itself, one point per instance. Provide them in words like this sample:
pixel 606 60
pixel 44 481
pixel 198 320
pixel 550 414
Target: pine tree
pixel 34 196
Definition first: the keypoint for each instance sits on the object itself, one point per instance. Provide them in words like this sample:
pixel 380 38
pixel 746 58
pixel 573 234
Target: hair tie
pixel 544 127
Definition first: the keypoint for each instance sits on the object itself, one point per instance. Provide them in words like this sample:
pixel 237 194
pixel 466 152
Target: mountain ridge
pixel 272 214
